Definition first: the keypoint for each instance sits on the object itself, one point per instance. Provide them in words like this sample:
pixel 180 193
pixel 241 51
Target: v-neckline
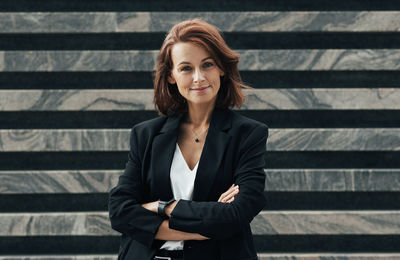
pixel 187 166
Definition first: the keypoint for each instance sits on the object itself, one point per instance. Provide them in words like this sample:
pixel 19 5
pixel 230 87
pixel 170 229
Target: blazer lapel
pixel 162 154
pixel 213 152
pixel 163 149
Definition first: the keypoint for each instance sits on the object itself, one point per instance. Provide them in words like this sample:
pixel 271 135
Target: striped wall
pixel 75 76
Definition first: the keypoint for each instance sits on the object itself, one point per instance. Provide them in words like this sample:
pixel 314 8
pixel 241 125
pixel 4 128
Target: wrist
pixel 170 208
pixel 162 207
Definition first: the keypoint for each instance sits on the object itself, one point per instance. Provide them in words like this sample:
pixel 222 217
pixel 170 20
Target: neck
pixel 199 116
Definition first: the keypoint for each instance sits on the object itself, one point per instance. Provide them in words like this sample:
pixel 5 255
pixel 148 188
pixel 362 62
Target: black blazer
pixel 233 153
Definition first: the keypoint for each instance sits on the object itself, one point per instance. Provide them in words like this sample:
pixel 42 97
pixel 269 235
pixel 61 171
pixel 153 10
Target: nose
pixel 198 76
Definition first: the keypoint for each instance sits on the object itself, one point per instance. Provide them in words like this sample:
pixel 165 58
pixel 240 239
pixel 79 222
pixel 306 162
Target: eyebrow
pixel 186 62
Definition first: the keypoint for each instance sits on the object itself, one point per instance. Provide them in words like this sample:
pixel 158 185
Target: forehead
pixel 188 52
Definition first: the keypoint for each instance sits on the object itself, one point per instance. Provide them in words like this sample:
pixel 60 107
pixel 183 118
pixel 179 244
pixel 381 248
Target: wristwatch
pixel 161 207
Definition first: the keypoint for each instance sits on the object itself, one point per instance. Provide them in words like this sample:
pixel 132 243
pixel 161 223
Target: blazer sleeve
pixel 125 199
pixel 221 220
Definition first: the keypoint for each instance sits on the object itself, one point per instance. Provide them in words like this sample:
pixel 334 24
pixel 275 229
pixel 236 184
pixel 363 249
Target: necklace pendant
pixel 196 140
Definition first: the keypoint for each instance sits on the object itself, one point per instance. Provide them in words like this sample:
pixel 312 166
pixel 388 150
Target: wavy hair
pixel 167 97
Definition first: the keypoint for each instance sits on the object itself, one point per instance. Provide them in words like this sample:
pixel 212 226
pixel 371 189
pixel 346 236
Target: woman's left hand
pixel 229 195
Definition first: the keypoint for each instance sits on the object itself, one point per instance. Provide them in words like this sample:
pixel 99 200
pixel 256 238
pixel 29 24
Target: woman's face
pixel 195 73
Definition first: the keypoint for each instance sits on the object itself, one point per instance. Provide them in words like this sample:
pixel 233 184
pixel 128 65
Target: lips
pixel 199 89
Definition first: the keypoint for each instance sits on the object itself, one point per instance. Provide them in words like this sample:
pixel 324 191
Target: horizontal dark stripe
pixel 53 202
pixel 10 203
pixel 205 5
pixel 143 80
pixel 236 40
pixel 273 118
pixel 332 200
pixel 62 160
pixel 327 243
pixel 332 160
pixel 283 243
pixel 76 80
pixel 59 245
pixel 274 160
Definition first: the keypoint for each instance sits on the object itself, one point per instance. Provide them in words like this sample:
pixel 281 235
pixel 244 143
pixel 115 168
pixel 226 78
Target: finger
pixel 232 199
pixel 226 197
pixel 232 194
pixel 223 195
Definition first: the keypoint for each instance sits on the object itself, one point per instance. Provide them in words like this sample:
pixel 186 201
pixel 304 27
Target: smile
pixel 200 89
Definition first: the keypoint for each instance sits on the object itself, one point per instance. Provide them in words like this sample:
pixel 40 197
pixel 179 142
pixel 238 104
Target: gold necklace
pixel 196 136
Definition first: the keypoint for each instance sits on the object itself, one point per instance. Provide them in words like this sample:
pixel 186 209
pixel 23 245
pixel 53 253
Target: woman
pixel 194 178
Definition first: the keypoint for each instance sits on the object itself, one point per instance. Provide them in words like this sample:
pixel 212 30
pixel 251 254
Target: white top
pixel 182 183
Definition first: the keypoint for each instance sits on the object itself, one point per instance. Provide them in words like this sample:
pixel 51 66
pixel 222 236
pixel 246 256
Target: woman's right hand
pixel 229 195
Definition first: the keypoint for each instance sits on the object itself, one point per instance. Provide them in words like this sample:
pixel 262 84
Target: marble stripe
pixel 283 180
pixel 256 99
pixel 334 139
pixel 117 22
pixel 51 182
pixel 326 223
pixel 291 139
pixel 332 180
pixel 251 60
pixel 266 223
pixel 261 256
pixel 56 224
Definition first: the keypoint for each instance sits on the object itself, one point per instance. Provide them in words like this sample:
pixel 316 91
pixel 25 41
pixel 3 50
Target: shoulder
pixel 148 127
pixel 246 125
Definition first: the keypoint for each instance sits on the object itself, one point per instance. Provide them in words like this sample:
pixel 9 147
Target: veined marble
pixel 256 99
pixel 56 224
pixel 251 60
pixel 334 139
pixel 332 180
pixel 282 180
pixel 266 223
pixel 290 139
pixel 111 22
pixel 63 181
pixel 326 223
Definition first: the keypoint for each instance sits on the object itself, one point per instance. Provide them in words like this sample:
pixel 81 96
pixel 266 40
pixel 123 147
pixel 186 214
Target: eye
pixel 208 64
pixel 186 68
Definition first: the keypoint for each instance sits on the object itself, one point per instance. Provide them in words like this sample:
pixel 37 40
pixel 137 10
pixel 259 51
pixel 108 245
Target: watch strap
pixel 161 207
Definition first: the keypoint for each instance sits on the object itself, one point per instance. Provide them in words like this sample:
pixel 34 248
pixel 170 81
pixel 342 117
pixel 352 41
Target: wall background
pixel 75 76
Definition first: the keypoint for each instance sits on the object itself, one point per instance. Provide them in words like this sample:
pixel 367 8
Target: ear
pixel 221 73
pixel 171 79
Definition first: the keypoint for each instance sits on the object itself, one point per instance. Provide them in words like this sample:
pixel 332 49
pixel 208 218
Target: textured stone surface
pixel 295 139
pixel 336 139
pixel 82 181
pixel 252 60
pixel 64 140
pixel 56 224
pixel 332 180
pixel 77 60
pixel 45 22
pixel 101 181
pixel 266 223
pixel 257 99
pixel 326 222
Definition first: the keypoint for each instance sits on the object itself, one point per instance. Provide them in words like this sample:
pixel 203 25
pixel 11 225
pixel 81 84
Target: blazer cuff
pixel 145 237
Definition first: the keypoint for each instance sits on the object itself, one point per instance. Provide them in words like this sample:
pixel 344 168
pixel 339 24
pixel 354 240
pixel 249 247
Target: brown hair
pixel 167 97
